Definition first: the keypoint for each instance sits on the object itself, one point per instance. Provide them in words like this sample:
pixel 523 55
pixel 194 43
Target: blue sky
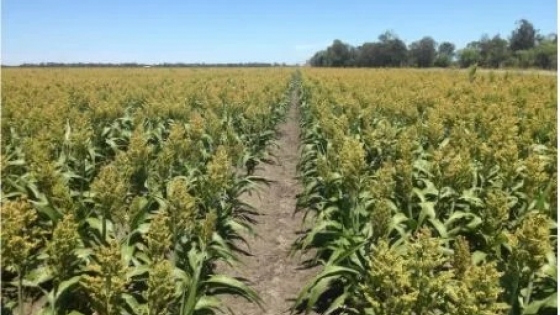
pixel 242 31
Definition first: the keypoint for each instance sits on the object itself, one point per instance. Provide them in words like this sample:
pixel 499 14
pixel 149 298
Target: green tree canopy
pixel 523 37
pixel 423 52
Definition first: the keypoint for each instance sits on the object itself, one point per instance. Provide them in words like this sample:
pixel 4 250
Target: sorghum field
pixel 120 188
pixel 129 191
pixel 430 192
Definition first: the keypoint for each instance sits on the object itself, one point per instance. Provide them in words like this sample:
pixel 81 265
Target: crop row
pixel 120 188
pixel 429 193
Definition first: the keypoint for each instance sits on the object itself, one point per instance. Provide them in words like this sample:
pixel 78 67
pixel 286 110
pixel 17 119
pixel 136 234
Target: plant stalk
pixel 188 307
pixel 529 290
pixel 20 291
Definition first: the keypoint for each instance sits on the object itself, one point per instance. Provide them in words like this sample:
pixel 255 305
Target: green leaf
pixel 428 210
pixel 83 253
pixel 37 276
pixel 398 219
pixel 341 254
pixel 45 208
pixel 478 257
pixel 127 251
pixel 337 304
pixel 419 193
pixel 439 226
pixel 95 224
pixel 470 197
pixel 133 304
pixel 238 227
pixel 457 215
pixel 208 303
pixel 65 285
pixel 534 307
pixel 476 221
pixel 551 301
pixel 138 270
pixel 195 258
pixel 234 286
pixel 423 167
pixel 333 270
pixel 143 228
pixel 326 226
pixel 317 290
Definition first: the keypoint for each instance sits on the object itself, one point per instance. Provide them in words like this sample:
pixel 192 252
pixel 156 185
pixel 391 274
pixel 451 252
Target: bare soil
pixel 275 276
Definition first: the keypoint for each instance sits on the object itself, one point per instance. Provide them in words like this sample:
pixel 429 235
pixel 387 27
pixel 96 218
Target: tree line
pixel 524 48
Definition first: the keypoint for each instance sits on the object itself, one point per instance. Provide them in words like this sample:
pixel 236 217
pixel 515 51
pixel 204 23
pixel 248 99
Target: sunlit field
pixel 422 192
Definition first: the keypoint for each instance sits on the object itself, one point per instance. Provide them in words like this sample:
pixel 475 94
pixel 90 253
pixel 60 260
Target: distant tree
pixel 338 54
pixel 445 54
pixel 493 52
pixel 353 57
pixel 442 61
pixel 319 59
pixel 446 48
pixel 393 50
pixel 468 57
pixel 389 51
pixel 367 55
pixel 423 52
pixel 525 48
pixel 525 58
pixel 545 54
pixel 523 37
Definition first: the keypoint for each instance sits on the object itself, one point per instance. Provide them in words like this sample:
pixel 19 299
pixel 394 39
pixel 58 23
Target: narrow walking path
pixel 275 276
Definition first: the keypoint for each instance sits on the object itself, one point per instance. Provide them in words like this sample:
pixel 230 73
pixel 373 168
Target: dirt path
pixel 273 274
